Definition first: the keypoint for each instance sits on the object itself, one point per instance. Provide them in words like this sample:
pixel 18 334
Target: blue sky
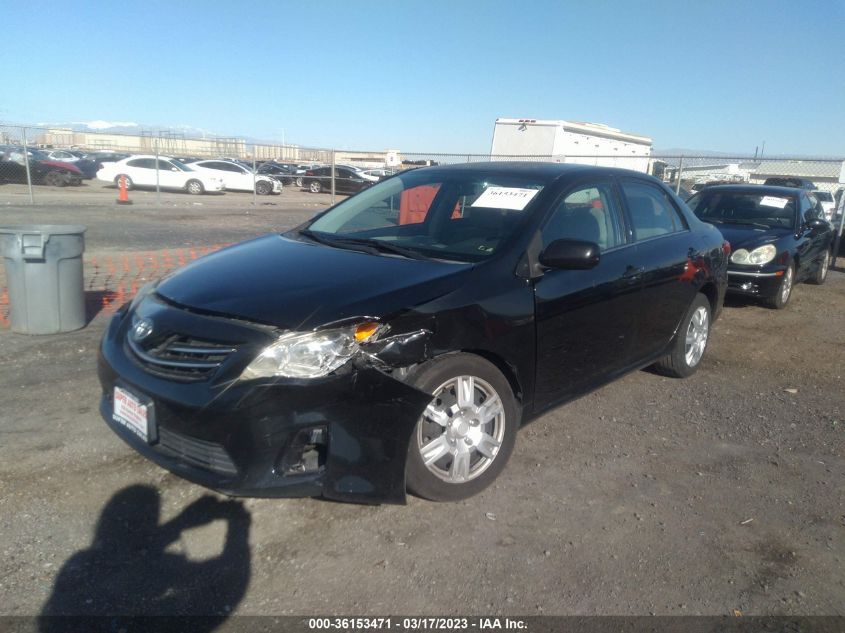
pixel 432 75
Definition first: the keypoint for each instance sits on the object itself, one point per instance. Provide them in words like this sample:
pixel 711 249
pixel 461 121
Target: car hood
pixel 290 284
pixel 748 237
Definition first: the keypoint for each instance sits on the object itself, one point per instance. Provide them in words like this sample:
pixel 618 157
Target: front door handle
pixel 632 274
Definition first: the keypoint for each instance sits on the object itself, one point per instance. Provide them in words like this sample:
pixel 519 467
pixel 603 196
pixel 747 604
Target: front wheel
pixel 466 434
pixel 128 182
pixel 263 188
pixel 690 343
pixel 784 291
pixel 195 187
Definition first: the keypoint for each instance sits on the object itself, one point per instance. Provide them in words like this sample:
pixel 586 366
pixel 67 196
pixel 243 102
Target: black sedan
pixel 281 173
pixel 400 338
pixel 42 169
pixel 777 235
pixel 346 180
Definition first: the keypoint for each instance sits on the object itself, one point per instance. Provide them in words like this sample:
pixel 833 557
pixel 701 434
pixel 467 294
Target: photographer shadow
pixel 126 572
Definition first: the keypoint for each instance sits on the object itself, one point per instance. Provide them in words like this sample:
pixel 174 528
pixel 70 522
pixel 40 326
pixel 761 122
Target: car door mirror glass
pixel 816 224
pixel 570 255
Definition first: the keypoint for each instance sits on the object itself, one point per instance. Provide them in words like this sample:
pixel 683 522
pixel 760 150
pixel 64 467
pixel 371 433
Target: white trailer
pixel 569 142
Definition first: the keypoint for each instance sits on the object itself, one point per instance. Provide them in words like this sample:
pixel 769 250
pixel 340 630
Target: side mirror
pixel 570 255
pixel 174 169
pixel 816 224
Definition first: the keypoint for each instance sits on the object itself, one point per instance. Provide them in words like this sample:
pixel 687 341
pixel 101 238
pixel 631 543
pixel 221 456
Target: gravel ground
pixel 651 495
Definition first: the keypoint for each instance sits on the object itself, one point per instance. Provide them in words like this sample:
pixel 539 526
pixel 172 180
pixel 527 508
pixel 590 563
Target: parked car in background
pixel 277 171
pixel 380 173
pixel 300 172
pixel 238 177
pixel 141 171
pixel 405 334
pixel 347 181
pixel 42 170
pixel 790 181
pixel 64 155
pixel 826 201
pixel 777 237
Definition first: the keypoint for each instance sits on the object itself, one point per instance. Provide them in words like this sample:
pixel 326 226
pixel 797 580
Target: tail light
pixel 308 172
pixel 726 248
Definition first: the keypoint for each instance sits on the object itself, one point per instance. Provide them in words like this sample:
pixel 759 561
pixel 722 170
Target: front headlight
pixel 309 354
pixel 757 257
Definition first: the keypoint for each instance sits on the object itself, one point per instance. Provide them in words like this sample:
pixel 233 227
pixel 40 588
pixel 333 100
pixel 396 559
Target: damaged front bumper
pixel 764 281
pixel 344 437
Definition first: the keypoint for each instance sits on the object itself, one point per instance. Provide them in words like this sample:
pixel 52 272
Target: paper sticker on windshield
pixel 773 201
pixel 505 198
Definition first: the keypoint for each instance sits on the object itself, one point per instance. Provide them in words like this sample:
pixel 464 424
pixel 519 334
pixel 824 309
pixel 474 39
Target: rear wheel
pixel 315 187
pixel 690 343
pixel 298 181
pixel 465 436
pixel 784 292
pixel 54 179
pixel 823 266
pixel 194 187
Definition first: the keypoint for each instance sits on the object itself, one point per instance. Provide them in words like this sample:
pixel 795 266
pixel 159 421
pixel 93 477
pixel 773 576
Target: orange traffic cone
pixel 123 198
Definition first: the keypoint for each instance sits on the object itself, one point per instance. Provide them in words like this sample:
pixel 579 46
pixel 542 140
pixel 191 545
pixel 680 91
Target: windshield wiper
pixel 367 244
pixel 748 222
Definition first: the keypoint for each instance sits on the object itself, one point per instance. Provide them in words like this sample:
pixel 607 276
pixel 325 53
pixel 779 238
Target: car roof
pixel 755 189
pixel 547 171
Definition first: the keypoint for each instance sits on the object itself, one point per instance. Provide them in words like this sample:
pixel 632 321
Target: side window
pixel 589 213
pixel 809 209
pixel 164 165
pixel 652 213
pixel 143 163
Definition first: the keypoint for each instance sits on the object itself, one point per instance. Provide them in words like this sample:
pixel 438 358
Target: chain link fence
pixel 34 160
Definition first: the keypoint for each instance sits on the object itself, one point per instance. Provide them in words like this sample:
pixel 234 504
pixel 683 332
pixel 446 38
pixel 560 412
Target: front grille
pixel 181 357
pixel 200 453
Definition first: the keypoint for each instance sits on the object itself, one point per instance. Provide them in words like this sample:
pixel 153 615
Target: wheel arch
pixel 508 371
pixel 710 291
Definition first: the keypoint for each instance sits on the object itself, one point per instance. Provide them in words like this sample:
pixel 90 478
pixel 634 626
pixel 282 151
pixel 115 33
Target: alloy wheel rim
pixel 461 430
pixel 696 339
pixel 787 285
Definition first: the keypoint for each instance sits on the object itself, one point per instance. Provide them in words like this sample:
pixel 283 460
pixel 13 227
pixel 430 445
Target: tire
pixel 129 183
pixel 314 186
pixel 466 448
pixel 690 343
pixel 194 187
pixel 821 270
pixel 263 188
pixel 54 179
pixel 784 293
pixel 299 181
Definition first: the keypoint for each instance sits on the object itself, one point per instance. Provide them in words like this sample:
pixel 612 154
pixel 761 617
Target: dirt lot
pixel 652 495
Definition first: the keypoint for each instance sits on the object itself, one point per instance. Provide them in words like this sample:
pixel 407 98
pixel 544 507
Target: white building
pixel 569 142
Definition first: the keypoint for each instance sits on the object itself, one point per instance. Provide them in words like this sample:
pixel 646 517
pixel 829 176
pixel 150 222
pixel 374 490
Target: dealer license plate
pixel 131 413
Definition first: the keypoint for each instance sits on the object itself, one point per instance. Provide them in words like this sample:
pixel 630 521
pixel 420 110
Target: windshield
pixel 744 208
pixel 180 166
pixel 445 215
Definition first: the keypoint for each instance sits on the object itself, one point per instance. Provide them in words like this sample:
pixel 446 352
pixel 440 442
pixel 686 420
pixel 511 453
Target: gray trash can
pixel 44 276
